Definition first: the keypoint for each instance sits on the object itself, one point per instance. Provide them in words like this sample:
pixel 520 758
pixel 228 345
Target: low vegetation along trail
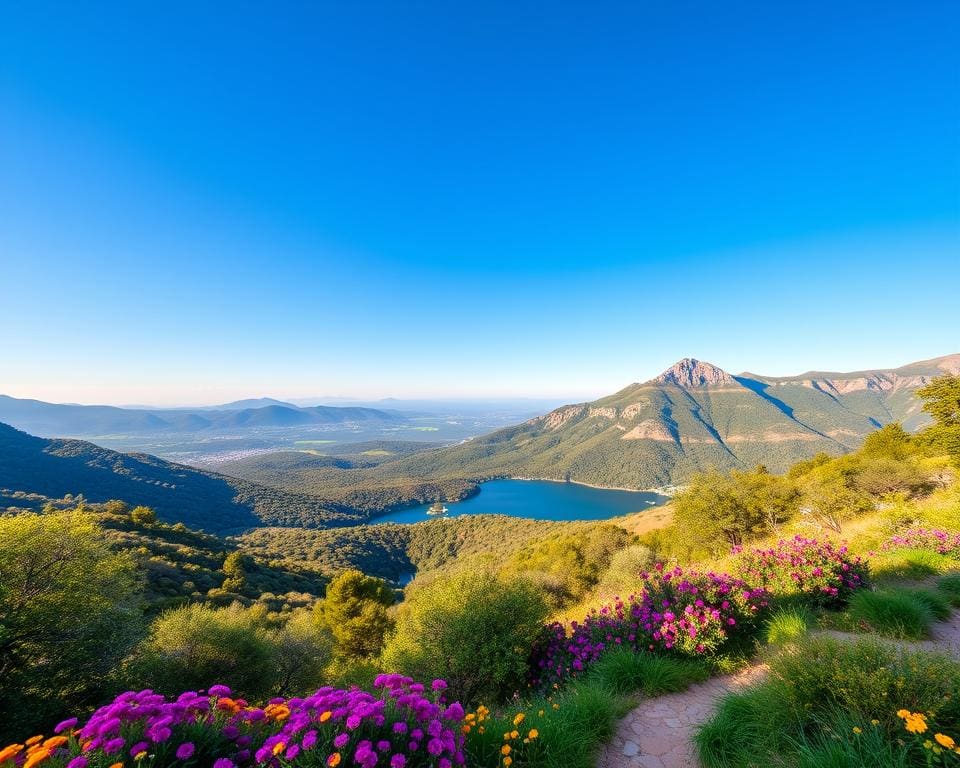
pixel 659 732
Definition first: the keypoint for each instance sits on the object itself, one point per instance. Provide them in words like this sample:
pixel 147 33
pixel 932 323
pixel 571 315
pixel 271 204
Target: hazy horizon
pixel 485 202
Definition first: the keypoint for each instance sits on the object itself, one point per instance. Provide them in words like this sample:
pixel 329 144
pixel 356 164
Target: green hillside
pixel 200 499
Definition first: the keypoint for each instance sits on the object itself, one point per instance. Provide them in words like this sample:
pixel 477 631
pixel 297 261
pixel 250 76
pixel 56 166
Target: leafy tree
pixel 69 610
pixel 891 442
pixel 355 611
pixel 941 399
pixel 829 502
pixel 235 572
pixel 302 651
pixel 474 630
pixel 196 646
pixel 714 510
pixel 143 515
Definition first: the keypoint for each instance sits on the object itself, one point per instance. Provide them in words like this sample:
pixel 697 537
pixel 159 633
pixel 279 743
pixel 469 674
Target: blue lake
pixel 539 500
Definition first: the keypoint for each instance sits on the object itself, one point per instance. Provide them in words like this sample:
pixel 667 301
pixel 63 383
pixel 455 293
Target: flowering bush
pixel 827 574
pixel 933 539
pixel 691 614
pixel 401 727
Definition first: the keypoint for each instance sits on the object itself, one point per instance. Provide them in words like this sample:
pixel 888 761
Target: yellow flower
pixel 140 755
pixel 279 747
pixel 519 718
pixel 903 713
pixel 33 740
pixel 540 713
pixel 508 761
pixel 556 706
pixel 534 733
pixel 505 749
pixel 916 723
pixel 334 759
pixel 857 730
pixel 324 716
pixel 874 722
pixel 506 736
pixel 945 741
pixel 514 734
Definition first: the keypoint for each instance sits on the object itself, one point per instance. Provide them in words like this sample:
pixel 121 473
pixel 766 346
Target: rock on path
pixel 658 733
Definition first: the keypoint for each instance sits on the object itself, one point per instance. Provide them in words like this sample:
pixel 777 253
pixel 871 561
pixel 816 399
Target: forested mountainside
pixel 692 417
pixel 200 499
pixel 55 420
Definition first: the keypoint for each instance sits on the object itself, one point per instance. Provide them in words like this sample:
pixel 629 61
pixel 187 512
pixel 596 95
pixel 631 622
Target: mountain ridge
pixel 692 417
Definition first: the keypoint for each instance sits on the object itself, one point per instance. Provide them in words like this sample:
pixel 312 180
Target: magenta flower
pixel 185 751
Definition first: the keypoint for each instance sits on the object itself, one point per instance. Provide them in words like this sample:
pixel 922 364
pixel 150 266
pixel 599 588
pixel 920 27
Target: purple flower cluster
pixel 691 614
pixel 402 725
pixel 934 539
pixel 817 569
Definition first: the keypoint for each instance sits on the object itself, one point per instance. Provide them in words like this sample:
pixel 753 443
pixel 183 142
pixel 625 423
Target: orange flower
pixel 11 751
pixel 37 757
pixel 324 716
pixel 278 712
pixel 945 741
pixel 55 741
pixel 279 747
pixel 334 759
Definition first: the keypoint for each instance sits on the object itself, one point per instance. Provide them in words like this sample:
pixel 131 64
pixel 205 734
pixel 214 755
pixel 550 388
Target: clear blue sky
pixel 202 201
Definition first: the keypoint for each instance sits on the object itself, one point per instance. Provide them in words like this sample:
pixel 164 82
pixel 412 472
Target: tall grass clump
pixel 896 613
pixel 623 671
pixel 787 624
pixel 949 586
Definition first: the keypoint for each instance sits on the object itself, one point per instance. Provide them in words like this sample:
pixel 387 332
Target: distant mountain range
pixel 202 500
pixel 691 417
pixel 55 420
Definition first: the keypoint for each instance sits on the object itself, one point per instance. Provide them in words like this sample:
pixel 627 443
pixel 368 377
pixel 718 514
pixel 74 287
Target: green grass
pixel 787 624
pixel 623 672
pixel 896 613
pixel 949 586
pixel 833 743
pixel 570 735
pixel 745 728
pixel 936 602
pixel 906 565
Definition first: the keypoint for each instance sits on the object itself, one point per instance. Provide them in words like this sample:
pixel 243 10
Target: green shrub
pixel 868 678
pixel 949 586
pixel 896 613
pixel 624 671
pixel 196 646
pixel 788 623
pixel 623 575
pixel 474 630
pixel 829 702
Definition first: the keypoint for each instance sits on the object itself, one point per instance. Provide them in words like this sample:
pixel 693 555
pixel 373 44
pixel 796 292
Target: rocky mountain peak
pixel 695 373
